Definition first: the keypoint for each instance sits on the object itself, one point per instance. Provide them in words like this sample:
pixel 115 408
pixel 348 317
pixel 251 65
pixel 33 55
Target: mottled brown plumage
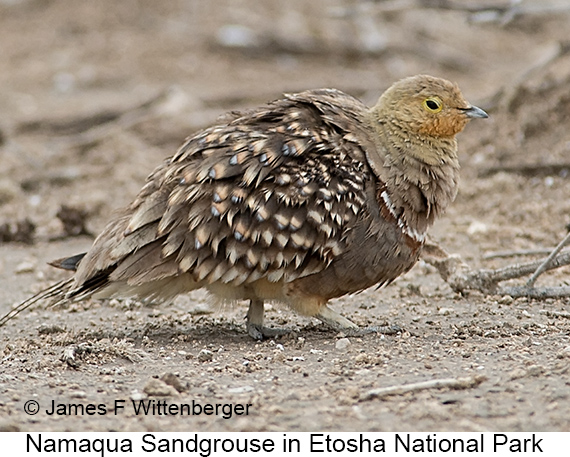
pixel 305 199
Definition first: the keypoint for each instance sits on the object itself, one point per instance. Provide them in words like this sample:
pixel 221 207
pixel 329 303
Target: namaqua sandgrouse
pixel 305 199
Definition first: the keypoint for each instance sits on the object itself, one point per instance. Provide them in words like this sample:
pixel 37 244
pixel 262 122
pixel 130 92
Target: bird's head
pixel 426 106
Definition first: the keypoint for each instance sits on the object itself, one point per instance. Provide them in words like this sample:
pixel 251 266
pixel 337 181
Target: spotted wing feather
pixel 270 195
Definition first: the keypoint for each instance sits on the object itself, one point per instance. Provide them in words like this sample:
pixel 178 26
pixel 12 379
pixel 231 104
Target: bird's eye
pixel 433 104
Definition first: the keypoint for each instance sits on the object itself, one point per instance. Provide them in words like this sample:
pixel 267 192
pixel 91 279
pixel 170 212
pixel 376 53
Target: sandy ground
pixel 95 94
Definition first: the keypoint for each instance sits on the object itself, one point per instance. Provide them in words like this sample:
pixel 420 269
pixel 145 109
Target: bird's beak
pixel 474 112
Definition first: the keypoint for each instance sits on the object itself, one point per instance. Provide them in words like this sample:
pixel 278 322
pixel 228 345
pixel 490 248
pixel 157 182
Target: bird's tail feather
pixel 57 293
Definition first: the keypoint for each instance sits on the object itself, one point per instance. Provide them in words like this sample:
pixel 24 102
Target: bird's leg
pixel 255 319
pixel 349 328
pixel 255 326
pixel 334 320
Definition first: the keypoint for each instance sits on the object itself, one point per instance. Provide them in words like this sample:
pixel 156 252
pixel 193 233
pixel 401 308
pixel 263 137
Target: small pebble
pixel 46 329
pixel 25 267
pixel 158 388
pixel 205 355
pixel 240 390
pixel 172 380
pixel 9 190
pixel 236 36
pixel 342 344
pixel 136 395
pixel 477 227
pixel 78 394
pixel 8 426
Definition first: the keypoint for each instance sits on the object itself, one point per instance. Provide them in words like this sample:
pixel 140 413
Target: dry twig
pixel 543 266
pixel 501 12
pixel 521 253
pixel 450 383
pixel 551 53
pixel 528 170
pixel 461 278
pixel 124 120
pixel 564 314
pixel 538 293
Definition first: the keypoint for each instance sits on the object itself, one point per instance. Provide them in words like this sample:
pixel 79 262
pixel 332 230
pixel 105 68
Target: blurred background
pixel 95 94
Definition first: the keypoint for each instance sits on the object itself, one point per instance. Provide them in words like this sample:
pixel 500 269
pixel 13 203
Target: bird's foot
pixel 383 329
pixel 260 333
pixel 255 326
pixel 349 328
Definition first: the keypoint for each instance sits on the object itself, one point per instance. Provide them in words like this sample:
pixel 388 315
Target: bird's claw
pixel 383 329
pixel 260 333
